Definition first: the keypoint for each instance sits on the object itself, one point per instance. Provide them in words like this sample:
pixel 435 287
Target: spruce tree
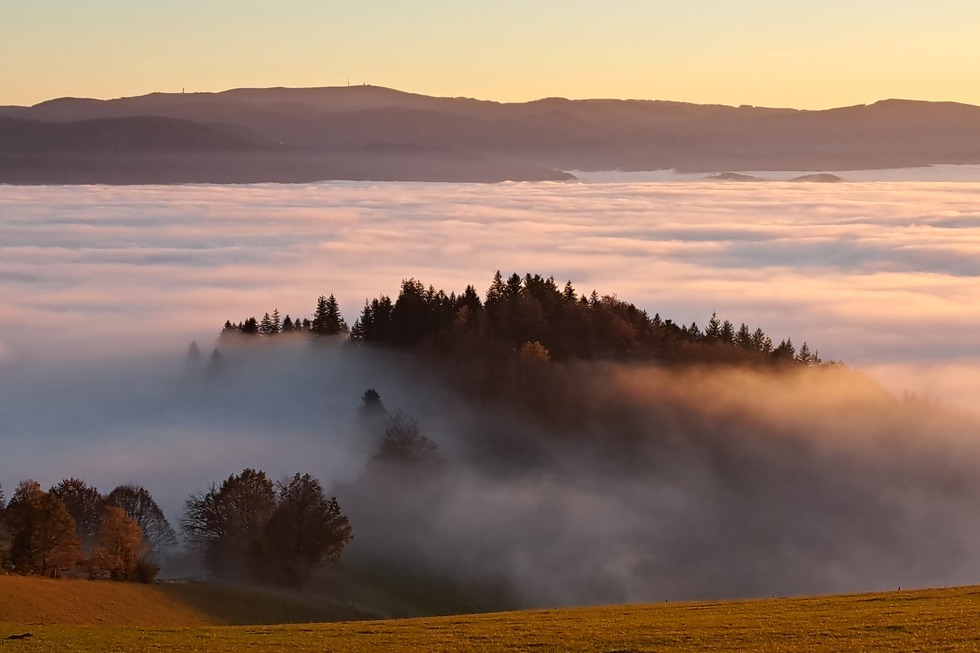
pixel 743 337
pixel 327 320
pixel 713 330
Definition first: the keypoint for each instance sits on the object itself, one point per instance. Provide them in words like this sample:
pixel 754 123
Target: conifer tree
pixel 327 320
pixel 785 350
pixel 568 294
pixel 495 293
pixel 216 361
pixel 761 342
pixel 713 331
pixel 743 337
pixel 727 333
pixel 806 356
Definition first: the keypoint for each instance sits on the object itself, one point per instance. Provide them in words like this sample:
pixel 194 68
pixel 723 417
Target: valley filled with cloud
pixel 102 289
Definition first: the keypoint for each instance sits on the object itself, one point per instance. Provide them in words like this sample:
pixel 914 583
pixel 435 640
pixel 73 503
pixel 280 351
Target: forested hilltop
pixel 572 448
pixel 535 317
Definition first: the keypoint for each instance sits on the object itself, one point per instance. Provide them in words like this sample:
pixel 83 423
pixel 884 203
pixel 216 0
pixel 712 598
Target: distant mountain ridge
pixel 376 133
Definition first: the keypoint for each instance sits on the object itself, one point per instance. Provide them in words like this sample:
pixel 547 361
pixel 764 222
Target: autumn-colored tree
pixel 43 539
pixel 143 509
pixel 119 545
pixel 4 534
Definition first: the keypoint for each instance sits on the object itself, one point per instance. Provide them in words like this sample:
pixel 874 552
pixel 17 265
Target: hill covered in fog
pixel 375 133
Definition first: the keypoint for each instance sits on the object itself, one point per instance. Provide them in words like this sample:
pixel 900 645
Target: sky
pixel 761 52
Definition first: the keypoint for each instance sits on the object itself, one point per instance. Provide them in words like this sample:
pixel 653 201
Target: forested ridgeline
pixel 523 343
pixel 532 316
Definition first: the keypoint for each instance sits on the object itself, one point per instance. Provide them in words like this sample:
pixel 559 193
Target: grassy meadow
pixel 69 616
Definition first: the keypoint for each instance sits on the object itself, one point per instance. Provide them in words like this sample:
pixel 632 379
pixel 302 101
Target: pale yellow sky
pixel 762 52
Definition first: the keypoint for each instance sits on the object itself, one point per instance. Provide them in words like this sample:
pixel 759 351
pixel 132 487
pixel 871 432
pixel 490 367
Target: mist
pixel 687 484
pixel 669 485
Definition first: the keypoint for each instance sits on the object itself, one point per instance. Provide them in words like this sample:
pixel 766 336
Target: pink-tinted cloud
pixel 876 273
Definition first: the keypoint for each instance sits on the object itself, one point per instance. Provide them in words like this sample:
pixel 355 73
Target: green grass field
pixel 922 620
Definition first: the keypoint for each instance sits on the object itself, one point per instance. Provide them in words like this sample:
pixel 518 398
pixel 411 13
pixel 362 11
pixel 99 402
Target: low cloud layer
pixel 874 274
pixel 102 290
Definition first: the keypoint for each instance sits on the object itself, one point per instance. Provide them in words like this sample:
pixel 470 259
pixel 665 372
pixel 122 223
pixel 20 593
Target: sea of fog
pixel 103 288
pixel 882 275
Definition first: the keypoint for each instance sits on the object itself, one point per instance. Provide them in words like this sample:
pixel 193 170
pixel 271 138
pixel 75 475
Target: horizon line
pixel 353 87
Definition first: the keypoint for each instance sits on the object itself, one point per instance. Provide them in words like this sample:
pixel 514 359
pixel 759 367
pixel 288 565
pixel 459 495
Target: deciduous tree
pixel 43 539
pixel 85 504
pixel 404 445
pixel 119 546
pixel 305 530
pixel 226 521
pixel 140 506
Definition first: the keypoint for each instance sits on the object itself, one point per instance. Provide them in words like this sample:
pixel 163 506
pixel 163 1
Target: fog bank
pixel 697 485
pixel 878 273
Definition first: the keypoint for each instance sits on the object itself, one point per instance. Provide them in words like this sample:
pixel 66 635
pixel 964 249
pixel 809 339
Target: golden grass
pixel 33 600
pixel 926 620
pixel 230 605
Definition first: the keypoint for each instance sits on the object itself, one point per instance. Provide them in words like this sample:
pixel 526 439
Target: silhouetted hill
pixel 733 176
pixel 370 132
pixel 820 178
pixel 136 134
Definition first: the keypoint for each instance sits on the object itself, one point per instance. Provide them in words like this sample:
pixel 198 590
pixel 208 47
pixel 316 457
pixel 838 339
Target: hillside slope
pixel 925 620
pixel 342 593
pixel 29 600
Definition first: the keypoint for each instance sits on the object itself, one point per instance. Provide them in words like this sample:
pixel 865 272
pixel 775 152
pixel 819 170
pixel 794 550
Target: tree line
pixel 326 321
pixel 532 313
pixel 73 529
pixel 277 532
